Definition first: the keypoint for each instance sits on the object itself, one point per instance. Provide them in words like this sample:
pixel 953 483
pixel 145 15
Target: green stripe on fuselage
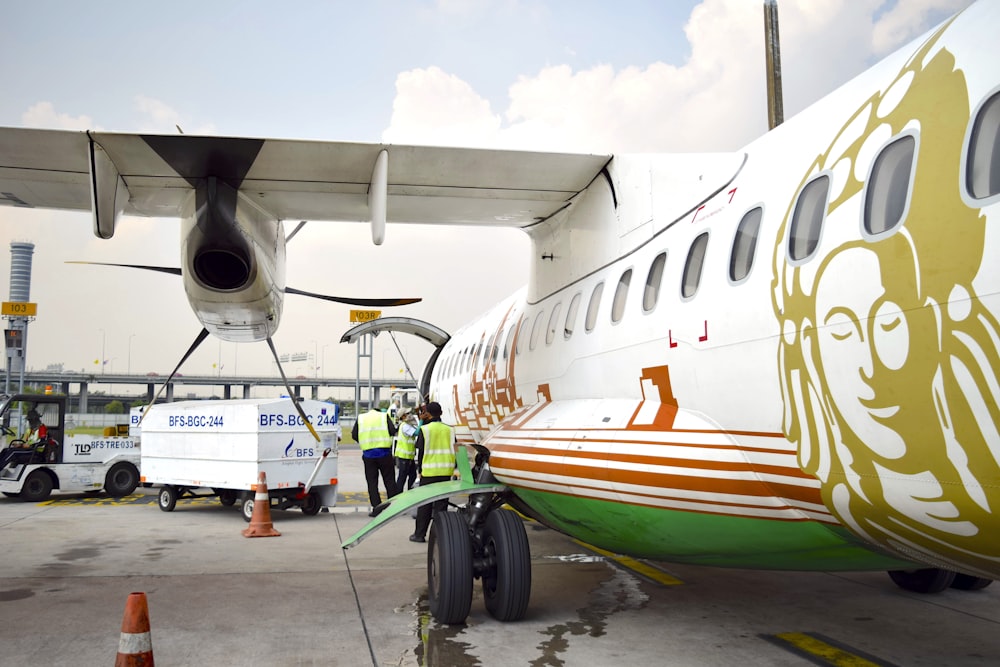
pixel 705 539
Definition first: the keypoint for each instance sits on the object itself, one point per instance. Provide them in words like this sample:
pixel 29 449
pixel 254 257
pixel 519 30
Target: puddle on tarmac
pixel 440 645
pixel 621 592
pixel 16 594
pixel 437 644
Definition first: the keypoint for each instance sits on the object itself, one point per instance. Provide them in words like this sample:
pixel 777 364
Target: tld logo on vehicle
pixel 293 452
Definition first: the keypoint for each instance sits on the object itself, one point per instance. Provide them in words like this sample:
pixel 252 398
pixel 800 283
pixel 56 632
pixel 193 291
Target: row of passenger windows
pixel 886 202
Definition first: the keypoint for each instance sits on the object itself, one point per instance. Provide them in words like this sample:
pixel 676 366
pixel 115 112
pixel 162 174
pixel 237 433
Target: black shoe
pixel 371 512
pixel 417 538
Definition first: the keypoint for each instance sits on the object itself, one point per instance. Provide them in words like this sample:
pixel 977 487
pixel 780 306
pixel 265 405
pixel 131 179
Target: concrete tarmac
pixel 218 598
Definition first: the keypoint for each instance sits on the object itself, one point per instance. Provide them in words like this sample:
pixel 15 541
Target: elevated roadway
pixel 79 384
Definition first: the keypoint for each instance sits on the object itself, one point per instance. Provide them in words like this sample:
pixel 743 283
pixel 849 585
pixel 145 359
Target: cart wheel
pixel 121 480
pixel 310 504
pixel 37 487
pixel 247 508
pixel 167 498
pixel 227 497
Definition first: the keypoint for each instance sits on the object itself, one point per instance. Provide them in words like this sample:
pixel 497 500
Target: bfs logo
pixel 291 451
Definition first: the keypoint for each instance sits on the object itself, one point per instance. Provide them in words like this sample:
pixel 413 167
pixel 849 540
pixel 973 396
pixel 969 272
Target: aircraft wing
pixel 295 180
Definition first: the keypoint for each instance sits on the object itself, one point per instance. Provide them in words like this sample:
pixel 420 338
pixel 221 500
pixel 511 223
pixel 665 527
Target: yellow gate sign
pixel 365 315
pixel 19 309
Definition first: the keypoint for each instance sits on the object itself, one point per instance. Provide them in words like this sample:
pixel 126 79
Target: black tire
pixel 507 581
pixel 167 498
pixel 227 497
pixel 37 487
pixel 121 480
pixel 928 580
pixel 310 504
pixel 246 508
pixel 967 582
pixel 449 569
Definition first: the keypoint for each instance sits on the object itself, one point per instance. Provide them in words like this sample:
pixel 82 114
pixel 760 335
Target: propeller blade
pixel 162 269
pixel 295 231
pixel 291 395
pixel 353 302
pixel 194 346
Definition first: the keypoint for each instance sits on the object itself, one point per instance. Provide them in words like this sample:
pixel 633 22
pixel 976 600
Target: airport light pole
pixel 315 359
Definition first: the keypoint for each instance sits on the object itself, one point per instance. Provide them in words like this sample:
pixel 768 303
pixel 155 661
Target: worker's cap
pixel 434 408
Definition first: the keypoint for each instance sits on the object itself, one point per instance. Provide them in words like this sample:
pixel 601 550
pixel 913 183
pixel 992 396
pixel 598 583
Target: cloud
pixel 158 116
pixel 43 114
pixel 713 101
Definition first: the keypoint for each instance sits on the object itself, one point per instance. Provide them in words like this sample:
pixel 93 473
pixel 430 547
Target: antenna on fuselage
pixel 772 52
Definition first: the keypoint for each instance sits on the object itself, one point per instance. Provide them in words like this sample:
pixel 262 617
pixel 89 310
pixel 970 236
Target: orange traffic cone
pixel 260 521
pixel 135 648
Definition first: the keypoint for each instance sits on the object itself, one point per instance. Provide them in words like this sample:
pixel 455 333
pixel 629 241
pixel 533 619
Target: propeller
pixel 371 303
pixel 291 395
pixel 194 346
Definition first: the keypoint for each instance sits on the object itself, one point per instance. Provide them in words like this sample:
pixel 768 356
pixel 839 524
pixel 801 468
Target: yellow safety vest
pixel 439 454
pixel 406 447
pixel 372 431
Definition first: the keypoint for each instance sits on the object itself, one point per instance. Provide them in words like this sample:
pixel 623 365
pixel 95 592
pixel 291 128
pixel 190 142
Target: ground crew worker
pixel 373 431
pixel 405 451
pixel 435 463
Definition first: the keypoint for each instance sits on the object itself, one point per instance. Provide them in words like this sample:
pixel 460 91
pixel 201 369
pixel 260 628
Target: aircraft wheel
pixel 227 497
pixel 121 480
pixel 449 568
pixel 928 580
pixel 37 487
pixel 247 508
pixel 507 581
pixel 310 504
pixel 167 498
pixel 967 582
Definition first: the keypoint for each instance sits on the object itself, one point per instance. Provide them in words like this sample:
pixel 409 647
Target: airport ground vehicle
pixel 204 448
pixel 38 456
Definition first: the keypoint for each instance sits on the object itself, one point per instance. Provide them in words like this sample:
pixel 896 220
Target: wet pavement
pixel 216 597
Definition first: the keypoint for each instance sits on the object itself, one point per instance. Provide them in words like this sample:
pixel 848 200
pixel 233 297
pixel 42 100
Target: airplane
pixel 785 357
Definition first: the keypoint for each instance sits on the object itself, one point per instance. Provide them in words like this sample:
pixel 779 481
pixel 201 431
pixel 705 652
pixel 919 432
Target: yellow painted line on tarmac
pixel 637 566
pixel 824 650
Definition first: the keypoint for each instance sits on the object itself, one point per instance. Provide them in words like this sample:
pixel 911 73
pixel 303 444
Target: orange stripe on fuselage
pixel 663 480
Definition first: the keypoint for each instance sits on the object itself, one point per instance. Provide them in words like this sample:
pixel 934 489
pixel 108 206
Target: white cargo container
pixel 190 446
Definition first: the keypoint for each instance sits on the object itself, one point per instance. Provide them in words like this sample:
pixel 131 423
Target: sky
pixel 581 76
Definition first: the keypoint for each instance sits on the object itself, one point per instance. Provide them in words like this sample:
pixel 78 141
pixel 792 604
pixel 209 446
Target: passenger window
pixel 982 178
pixel 745 245
pixel 592 308
pixel 466 366
pixel 536 329
pixel 522 335
pixel 496 348
pixel 574 306
pixel 621 296
pixel 509 341
pixel 692 266
pixel 553 323
pixel 489 351
pixel 651 293
pixel 887 193
pixel 807 219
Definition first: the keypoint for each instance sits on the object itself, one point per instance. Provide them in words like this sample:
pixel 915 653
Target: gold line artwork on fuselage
pixel 887 355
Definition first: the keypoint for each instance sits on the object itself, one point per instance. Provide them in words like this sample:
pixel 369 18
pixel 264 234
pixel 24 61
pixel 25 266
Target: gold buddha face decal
pixel 888 358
